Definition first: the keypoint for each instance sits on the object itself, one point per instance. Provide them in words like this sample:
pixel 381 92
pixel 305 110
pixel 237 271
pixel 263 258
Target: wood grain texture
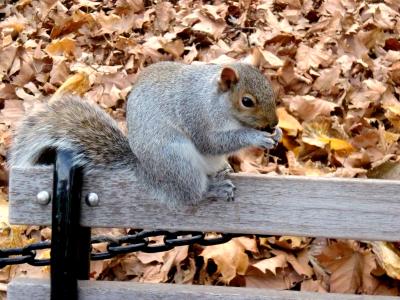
pixel 287 205
pixel 24 185
pixel 38 289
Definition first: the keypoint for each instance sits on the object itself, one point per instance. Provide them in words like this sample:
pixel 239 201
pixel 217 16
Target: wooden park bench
pixel 358 209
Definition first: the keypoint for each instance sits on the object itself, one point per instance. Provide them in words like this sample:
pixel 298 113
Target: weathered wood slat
pixel 291 205
pixel 28 289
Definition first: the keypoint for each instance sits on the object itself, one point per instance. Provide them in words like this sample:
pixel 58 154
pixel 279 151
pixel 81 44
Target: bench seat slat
pixel 286 205
pixel 28 289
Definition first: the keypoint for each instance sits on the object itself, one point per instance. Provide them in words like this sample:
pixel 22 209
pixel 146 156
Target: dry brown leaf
pixel 113 23
pixel 307 57
pixel 308 108
pixel 292 242
pixel 12 236
pixel 71 24
pixel 7 55
pixel 327 80
pixel 350 267
pixel 388 257
pixel 309 168
pixel 147 258
pixel 185 275
pixel 26 74
pixel 164 15
pixel 271 264
pixel 59 72
pixel 285 279
pixel 209 26
pixel 387 170
pixel 270 59
pixel 10 115
pixel 176 48
pixel 336 61
pixel 311 285
pixel 230 259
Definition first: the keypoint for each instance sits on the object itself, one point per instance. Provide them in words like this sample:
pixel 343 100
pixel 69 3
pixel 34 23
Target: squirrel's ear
pixel 227 78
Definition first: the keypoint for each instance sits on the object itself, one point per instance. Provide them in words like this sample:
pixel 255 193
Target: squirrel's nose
pixel 274 122
pixel 271 125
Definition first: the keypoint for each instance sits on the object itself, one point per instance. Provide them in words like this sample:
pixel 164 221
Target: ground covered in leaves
pixel 335 65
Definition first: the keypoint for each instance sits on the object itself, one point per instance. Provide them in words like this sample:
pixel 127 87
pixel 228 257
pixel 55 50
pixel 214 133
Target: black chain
pixel 139 241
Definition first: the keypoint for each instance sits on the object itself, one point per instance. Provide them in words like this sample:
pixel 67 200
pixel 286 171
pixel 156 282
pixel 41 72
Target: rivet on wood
pixel 92 199
pixel 43 198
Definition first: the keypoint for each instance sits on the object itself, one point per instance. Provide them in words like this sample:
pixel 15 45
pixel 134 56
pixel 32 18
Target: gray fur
pixel 181 127
pixel 72 123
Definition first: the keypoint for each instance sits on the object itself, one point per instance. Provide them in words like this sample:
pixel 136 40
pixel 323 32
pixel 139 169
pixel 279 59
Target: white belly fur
pixel 210 164
pixel 214 163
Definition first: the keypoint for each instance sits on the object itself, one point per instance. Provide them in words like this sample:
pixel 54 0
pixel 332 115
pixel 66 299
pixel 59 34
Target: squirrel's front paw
pixel 277 135
pixel 267 140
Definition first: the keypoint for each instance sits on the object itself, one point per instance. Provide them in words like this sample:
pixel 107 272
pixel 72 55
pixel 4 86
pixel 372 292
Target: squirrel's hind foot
pixel 220 189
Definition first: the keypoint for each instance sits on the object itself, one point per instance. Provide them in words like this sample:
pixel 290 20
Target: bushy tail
pixel 71 123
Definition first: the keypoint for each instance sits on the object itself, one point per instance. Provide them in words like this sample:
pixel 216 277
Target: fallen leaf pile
pixel 335 66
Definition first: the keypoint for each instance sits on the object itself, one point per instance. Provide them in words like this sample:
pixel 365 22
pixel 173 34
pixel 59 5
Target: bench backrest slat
pixel 27 289
pixel 303 206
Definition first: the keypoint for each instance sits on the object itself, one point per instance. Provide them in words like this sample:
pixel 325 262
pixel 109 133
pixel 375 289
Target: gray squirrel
pixel 183 121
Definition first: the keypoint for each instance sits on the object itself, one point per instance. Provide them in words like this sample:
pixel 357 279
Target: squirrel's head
pixel 251 96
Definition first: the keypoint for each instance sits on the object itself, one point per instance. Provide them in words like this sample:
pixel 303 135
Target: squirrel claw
pixel 277 135
pixel 268 143
pixel 231 199
pixel 222 189
pixel 225 171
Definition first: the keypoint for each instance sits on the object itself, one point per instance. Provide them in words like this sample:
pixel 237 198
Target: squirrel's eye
pixel 247 102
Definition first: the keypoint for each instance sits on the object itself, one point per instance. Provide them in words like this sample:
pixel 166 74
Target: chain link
pixel 139 241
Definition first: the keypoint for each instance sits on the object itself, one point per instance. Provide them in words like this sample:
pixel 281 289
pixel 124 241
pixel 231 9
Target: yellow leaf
pixel 22 3
pixel 76 84
pixel 288 122
pixel 336 144
pixel 12 236
pixel 319 133
pixel 17 23
pixel 391 137
pixel 394 109
pixel 289 143
pixel 65 46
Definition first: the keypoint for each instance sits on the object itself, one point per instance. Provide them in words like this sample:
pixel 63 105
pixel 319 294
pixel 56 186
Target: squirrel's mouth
pixel 267 128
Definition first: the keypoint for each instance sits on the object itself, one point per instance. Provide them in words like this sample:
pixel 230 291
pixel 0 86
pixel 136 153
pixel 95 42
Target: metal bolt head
pixel 92 199
pixel 43 198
